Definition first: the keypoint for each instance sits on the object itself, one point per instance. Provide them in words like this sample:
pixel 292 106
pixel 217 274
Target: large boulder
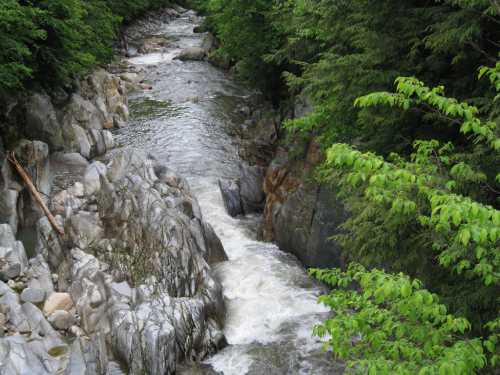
pixel 252 188
pixel 230 191
pixel 41 121
pixel 245 195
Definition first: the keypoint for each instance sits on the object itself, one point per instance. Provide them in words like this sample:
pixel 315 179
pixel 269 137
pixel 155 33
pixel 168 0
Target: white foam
pixel 154 58
pixel 259 289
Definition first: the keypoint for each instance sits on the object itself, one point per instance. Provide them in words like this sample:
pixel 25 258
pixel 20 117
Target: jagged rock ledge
pixel 135 288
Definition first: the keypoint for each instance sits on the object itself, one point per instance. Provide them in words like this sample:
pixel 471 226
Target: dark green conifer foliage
pixel 418 168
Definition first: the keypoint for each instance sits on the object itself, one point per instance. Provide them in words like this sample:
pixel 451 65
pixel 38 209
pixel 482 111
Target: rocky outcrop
pixel 245 195
pixel 136 262
pixel 300 215
pixel 17 206
pixel 75 122
pixel 29 344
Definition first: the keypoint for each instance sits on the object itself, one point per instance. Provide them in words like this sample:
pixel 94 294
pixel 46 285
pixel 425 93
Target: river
pixel 187 120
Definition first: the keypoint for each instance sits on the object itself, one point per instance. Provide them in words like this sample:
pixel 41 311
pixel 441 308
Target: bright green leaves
pixel 461 223
pixel 389 324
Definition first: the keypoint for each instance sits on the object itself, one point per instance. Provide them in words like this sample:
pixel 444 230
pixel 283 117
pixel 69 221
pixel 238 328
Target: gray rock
pixel 41 121
pixel 48 242
pixel 34 157
pixel 61 319
pixel 86 229
pixel 7 238
pixel 303 217
pixel 216 252
pixel 33 295
pixel 72 159
pixel 230 191
pixel 8 208
pixel 92 177
pixel 13 260
pixel 252 188
pixel 39 275
pixel 82 140
pixel 192 53
pixel 85 113
pixel 109 142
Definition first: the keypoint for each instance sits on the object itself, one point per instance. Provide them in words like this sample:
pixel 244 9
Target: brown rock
pixel 57 301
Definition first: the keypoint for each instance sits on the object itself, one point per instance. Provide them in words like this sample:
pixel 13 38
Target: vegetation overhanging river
pixel 187 120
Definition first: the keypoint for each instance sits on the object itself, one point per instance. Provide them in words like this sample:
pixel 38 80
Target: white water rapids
pixel 186 120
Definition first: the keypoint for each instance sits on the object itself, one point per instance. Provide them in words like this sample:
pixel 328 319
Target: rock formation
pixel 132 274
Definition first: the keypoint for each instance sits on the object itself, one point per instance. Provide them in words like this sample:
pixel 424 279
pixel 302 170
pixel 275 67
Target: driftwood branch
pixel 11 157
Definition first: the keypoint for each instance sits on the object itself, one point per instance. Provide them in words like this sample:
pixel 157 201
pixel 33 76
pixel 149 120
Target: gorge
pixel 150 286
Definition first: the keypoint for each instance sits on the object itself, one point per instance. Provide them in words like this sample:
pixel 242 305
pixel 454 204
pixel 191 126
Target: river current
pixel 187 120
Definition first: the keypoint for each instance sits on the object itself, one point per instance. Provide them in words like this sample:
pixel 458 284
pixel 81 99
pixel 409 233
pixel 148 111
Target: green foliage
pixel 247 34
pixel 421 208
pixel 51 42
pixel 389 324
pixel 18 30
pixel 422 183
pixel 466 233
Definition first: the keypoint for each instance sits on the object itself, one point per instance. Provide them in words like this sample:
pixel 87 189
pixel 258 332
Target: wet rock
pixel 209 43
pixel 230 191
pixel 57 301
pixel 251 188
pixel 33 295
pixel 216 252
pixel 132 77
pixel 154 44
pixel 192 53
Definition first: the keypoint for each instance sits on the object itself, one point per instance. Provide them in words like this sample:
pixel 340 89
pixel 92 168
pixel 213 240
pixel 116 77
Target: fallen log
pixel 11 157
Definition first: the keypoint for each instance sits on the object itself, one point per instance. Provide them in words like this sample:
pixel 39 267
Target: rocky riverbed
pixel 160 269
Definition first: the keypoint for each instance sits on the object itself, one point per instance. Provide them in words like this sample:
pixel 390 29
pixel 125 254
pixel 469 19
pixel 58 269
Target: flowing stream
pixel 187 120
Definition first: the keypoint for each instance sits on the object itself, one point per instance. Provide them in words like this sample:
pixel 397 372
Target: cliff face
pixel 300 215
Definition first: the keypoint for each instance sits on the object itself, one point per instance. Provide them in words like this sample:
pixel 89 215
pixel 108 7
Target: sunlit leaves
pixel 463 224
pixel 385 323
